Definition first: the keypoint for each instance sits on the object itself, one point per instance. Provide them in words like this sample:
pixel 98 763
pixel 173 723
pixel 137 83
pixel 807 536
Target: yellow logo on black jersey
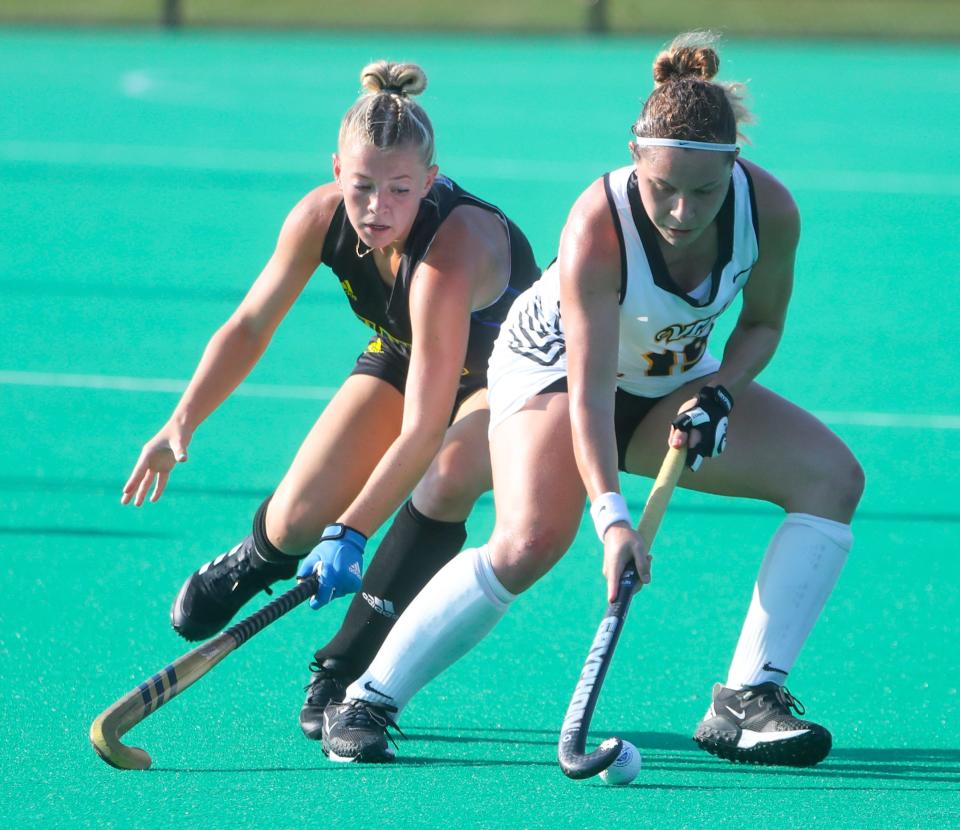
pixel 348 289
pixel 382 333
pixel 376 347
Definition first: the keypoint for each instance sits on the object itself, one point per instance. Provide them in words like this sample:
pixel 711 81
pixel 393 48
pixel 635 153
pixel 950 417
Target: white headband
pixel 683 143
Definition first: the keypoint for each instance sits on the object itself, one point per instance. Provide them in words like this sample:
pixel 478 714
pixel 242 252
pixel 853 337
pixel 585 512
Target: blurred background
pixel 149 151
pixel 935 19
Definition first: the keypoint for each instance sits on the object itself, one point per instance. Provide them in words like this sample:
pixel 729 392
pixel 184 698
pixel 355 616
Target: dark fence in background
pixel 891 19
pixel 172 14
pixel 176 14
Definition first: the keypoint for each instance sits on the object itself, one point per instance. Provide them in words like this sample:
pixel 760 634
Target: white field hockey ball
pixel 625 768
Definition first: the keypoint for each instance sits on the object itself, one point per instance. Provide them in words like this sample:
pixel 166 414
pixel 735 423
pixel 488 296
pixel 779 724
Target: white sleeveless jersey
pixel 663 331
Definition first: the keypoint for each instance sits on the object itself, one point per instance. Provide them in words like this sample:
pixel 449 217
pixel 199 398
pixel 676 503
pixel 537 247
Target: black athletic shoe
pixel 325 687
pixel 214 593
pixel 356 730
pixel 755 726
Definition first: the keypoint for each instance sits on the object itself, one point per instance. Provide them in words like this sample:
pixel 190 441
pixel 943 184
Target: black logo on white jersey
pixel 537 335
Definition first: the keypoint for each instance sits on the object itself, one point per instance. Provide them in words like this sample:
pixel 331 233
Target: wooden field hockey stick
pixel 171 680
pixel 574 762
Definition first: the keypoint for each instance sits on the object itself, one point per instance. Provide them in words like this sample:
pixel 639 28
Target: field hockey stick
pixel 574 762
pixel 167 683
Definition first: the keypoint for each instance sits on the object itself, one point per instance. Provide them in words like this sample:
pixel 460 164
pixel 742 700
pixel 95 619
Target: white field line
pixel 76 154
pixel 119 383
pixel 906 420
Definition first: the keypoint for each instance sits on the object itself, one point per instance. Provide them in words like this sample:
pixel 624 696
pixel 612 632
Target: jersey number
pixel 662 364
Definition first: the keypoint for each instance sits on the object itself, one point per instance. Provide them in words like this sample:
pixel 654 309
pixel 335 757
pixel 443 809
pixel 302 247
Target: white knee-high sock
pixel 800 568
pixel 455 611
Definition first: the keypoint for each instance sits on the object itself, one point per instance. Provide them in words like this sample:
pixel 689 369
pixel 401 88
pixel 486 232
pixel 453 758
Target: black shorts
pixel 628 411
pixel 390 362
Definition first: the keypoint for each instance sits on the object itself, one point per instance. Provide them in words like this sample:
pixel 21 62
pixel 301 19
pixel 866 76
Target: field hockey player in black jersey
pixel 432 270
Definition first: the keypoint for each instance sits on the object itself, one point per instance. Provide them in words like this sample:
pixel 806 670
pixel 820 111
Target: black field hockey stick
pixel 574 761
pixel 167 683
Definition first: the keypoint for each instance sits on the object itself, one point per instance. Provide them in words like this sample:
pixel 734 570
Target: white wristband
pixel 606 509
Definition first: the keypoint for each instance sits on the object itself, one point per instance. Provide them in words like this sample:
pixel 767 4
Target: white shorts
pixel 529 354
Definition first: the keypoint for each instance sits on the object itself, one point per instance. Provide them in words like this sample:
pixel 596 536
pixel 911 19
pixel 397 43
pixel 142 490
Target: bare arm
pixel 589 263
pixel 590 274
pixel 759 327
pixel 445 289
pixel 238 344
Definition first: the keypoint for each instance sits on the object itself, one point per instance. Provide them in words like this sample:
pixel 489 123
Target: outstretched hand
pixel 157 458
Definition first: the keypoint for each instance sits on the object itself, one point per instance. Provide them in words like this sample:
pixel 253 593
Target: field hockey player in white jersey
pixel 650 256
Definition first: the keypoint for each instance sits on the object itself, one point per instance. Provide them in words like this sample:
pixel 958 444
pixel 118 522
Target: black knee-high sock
pixel 414 549
pixel 268 555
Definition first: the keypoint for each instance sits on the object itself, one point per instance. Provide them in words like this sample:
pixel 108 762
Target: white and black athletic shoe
pixel 356 730
pixel 325 687
pixel 213 593
pixel 755 725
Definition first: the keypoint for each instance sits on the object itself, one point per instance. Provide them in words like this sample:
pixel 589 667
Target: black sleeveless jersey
pixel 388 312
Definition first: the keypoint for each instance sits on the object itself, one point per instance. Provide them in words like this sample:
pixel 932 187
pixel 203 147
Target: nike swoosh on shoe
pixel 750 739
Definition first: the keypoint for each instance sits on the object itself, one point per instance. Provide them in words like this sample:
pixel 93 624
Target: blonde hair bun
pixel 406 79
pixel 385 115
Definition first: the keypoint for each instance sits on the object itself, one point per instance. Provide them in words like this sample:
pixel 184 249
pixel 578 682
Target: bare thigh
pixel 775 451
pixel 334 461
pixel 460 472
pixel 537 491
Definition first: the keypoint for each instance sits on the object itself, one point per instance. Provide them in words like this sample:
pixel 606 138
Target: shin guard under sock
pixel 413 550
pixel 799 570
pixel 452 614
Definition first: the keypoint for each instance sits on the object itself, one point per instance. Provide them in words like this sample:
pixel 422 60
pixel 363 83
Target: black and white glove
pixel 709 416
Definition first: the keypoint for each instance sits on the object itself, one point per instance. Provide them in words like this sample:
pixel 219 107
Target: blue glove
pixel 338 561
